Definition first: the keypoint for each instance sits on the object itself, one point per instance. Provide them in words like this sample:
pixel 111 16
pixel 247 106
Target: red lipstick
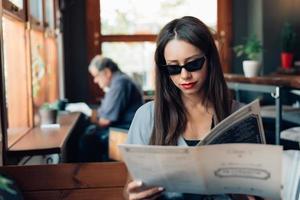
pixel 188 85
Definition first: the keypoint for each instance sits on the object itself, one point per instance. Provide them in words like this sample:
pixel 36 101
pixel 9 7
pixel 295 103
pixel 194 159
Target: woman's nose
pixel 185 74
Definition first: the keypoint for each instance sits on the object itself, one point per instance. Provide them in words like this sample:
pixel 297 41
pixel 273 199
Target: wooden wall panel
pixel 16 72
pixel 68 176
pixel 38 67
pixel 70 181
pixel 115 193
pixel 52 68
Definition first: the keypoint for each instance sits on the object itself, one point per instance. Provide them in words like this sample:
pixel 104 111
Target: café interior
pixel 46 48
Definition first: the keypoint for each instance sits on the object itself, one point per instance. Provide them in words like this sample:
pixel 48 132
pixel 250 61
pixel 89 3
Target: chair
pixel 292 134
pixel 289 113
pixel 116 136
pixel 290 118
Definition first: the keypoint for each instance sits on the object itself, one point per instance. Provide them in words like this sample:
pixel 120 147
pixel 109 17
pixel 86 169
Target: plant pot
pixel 251 68
pixel 48 116
pixel 287 60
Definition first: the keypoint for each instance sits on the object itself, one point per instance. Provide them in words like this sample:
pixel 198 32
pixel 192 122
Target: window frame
pixel 11 9
pixel 36 23
pixel 3 110
pixel 223 34
pixel 95 39
pixel 50 30
pixel 19 131
pixel 13 134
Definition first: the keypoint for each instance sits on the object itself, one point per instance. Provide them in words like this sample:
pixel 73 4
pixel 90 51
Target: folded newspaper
pixel 253 169
pixel 243 126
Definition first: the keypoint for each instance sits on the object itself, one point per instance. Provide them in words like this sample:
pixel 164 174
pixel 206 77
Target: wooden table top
pixel 47 139
pixel 292 81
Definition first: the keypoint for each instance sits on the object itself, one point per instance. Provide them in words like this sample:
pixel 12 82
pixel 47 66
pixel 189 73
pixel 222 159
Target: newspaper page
pixel 291 175
pixel 243 126
pixel 252 169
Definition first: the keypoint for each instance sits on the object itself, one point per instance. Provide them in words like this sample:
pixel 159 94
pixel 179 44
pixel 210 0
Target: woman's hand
pixel 135 190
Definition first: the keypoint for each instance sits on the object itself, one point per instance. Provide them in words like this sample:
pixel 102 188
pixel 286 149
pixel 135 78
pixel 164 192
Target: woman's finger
pixel 148 193
pixel 133 186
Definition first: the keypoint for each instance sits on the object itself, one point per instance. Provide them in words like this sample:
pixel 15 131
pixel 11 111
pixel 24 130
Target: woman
pixel 191 96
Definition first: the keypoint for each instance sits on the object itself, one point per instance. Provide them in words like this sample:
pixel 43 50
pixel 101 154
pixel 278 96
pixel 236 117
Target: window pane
pixel 49 15
pixel 148 17
pixel 18 3
pixel 36 9
pixel 134 58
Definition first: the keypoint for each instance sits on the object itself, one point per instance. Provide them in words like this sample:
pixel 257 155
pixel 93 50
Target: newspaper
pixel 228 168
pixel 252 169
pixel 243 126
pixel 291 175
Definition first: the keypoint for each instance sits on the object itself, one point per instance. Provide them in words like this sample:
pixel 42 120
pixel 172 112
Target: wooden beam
pixel 129 38
pixel 224 30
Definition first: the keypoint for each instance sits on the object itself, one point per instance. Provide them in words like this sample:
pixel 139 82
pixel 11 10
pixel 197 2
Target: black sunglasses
pixel 191 66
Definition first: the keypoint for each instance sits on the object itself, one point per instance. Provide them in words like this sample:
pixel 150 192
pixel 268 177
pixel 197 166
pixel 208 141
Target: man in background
pixel 121 100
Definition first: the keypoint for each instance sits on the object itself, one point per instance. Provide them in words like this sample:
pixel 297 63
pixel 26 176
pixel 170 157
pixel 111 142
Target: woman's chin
pixel 190 92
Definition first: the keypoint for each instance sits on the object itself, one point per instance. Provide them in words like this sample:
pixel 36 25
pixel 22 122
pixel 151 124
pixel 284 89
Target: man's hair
pixel 100 63
pixel 170 117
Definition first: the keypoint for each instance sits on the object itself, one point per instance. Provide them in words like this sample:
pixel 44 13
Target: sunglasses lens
pixel 195 64
pixel 173 69
pixel 192 66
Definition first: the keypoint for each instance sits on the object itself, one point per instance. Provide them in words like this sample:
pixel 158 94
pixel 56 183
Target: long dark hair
pixel 170 114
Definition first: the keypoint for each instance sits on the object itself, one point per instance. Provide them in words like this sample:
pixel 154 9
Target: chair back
pixel 116 136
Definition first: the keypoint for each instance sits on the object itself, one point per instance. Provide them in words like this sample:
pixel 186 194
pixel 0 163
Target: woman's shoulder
pixel 146 108
pixel 142 125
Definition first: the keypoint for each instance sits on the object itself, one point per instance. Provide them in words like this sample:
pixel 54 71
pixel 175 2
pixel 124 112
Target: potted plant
pixel 251 49
pixel 48 113
pixel 288 36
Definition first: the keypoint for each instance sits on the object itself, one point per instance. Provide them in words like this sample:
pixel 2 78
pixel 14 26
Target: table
pixel 273 84
pixel 41 141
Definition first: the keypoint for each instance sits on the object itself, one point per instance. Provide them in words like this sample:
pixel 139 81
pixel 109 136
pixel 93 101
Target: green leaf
pixel 250 49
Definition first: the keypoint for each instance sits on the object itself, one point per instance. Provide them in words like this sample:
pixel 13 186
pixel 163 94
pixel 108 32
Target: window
pixel 35 14
pixel 130 17
pixel 17 77
pixel 15 8
pixel 132 25
pixel 30 66
pixel 49 14
pixel 134 58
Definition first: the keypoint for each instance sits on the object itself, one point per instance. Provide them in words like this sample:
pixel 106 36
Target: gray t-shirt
pixel 142 125
pixel 140 132
pixel 121 101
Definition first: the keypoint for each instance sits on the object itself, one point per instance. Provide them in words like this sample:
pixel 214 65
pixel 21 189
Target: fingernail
pixel 160 189
pixel 139 183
